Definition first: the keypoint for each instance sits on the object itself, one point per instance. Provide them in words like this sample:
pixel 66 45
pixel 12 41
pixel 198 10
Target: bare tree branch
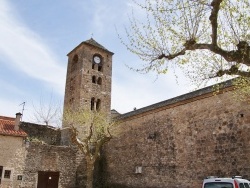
pixel 48 112
pixel 213 18
pixel 89 132
pixel 234 70
pixel 212 33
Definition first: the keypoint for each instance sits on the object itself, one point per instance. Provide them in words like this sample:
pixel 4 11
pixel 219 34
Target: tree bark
pixel 90 172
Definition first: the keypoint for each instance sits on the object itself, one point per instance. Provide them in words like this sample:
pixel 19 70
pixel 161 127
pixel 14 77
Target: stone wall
pixel 27 160
pixel 47 134
pixel 43 157
pixel 80 87
pixel 179 144
pixel 12 157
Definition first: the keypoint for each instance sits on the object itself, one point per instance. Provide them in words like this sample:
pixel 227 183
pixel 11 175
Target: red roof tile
pixel 7 125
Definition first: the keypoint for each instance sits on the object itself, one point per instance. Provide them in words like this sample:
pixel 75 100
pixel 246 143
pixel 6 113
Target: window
pixel 7 174
pixel 246 185
pixel 100 68
pixel 98 105
pixel 92 104
pixel 99 81
pixel 93 79
pixel 218 185
pixel 19 177
pixel 97 62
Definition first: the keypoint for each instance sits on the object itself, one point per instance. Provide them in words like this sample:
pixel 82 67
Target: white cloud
pixel 25 51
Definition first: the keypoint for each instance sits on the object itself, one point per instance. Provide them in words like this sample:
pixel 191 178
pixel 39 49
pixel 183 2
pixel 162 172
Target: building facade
pixel 175 143
pixel 12 152
pixel 179 142
pixel 88 80
pixel 31 156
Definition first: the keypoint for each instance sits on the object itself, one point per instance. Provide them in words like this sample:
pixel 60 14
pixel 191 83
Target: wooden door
pixel 48 179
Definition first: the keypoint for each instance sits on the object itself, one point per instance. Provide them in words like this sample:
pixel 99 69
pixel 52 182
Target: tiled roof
pixel 7 125
pixel 93 43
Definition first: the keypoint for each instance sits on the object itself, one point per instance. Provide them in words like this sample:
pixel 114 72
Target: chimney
pixel 17 121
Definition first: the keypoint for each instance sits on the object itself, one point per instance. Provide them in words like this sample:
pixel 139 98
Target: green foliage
pixel 34 139
pixel 202 37
pixel 86 122
pixel 242 89
pixel 90 130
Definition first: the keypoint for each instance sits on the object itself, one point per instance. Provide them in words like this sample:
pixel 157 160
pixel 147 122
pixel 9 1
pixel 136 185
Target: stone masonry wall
pixel 43 157
pixel 47 134
pixel 12 155
pixel 179 146
pixel 79 88
pixel 27 161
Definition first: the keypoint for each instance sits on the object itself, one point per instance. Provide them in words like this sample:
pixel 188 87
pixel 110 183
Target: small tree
pixel 90 130
pixel 207 38
pixel 48 113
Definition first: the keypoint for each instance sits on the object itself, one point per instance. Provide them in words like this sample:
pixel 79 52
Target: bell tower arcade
pixel 88 80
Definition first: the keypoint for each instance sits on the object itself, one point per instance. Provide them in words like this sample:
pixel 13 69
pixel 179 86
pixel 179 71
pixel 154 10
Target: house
pixel 31 156
pixel 12 151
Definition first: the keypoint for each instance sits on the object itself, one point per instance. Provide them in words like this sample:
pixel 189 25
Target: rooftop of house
pixel 7 125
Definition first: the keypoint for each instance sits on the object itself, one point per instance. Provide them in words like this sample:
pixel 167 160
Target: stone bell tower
pixel 89 74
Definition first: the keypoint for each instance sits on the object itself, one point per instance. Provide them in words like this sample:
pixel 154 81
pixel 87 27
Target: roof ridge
pixel 7 118
pixel 7 127
pixel 183 97
pixel 93 42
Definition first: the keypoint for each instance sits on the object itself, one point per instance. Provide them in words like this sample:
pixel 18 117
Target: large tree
pixel 207 38
pixel 90 130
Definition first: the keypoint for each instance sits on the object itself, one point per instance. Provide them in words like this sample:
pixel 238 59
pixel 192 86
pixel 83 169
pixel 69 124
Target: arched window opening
pixel 74 63
pixel 99 81
pixel 93 79
pixel 93 65
pixel 92 104
pixel 98 105
pixel 100 68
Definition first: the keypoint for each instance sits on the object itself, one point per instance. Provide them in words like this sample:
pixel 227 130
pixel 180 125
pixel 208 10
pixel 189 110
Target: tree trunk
pixel 90 173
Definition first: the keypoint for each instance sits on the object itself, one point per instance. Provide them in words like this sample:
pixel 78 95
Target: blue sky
pixel 36 36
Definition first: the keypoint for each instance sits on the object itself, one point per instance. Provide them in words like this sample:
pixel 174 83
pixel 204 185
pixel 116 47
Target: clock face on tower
pixel 97 59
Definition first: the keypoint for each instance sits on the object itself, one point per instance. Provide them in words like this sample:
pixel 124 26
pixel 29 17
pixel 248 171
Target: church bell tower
pixel 89 74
